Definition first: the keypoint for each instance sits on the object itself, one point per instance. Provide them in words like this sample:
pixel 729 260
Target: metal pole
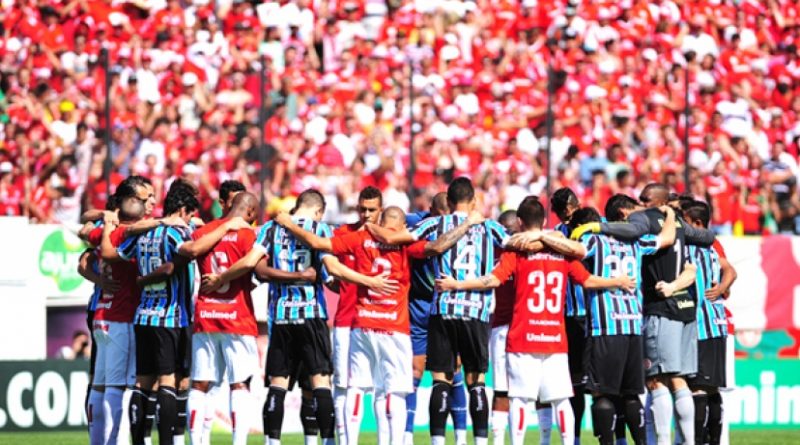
pixel 107 112
pixel 412 162
pixel 549 123
pixel 262 146
pixel 686 129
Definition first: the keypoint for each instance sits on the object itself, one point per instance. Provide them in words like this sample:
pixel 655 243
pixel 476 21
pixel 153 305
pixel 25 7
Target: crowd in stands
pixel 185 100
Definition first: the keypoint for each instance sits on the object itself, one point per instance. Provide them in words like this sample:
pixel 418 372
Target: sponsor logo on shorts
pixel 685 304
pixel 364 313
pixel 216 315
pixel 543 338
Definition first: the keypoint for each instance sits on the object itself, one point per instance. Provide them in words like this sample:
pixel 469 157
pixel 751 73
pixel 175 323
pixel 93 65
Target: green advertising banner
pixel 49 395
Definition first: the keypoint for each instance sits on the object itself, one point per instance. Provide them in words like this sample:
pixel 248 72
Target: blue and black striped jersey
pixel 616 311
pixel 97 292
pixel 289 302
pixel 711 320
pixel 422 273
pixel 166 304
pixel 471 257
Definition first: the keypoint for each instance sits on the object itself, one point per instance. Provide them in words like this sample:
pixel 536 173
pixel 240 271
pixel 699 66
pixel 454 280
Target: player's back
pixel 345 309
pixel 164 304
pixel 294 302
pixel 711 317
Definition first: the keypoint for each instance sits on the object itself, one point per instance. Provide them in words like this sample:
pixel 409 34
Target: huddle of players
pixel 292 253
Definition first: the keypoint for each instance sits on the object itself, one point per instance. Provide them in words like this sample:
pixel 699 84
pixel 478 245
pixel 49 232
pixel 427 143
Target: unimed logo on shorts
pixel 59 257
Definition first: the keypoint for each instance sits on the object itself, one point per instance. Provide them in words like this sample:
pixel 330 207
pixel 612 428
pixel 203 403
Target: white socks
pixel 381 418
pixel 661 406
pixel 197 414
pixel 396 405
pixel 499 427
pixel 339 400
pixel 97 429
pixel 354 412
pixel 240 401
pixel 461 437
pixel 518 416
pixel 566 420
pixel 112 413
pixel 684 409
pixel 545 415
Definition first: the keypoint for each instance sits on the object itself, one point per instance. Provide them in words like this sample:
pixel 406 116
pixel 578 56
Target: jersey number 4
pixel 548 291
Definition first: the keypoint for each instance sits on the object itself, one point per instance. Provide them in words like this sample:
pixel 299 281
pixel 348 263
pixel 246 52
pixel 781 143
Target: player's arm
pixel 564 246
pixel 157 276
pixel 273 275
pixel 380 284
pixel 390 237
pixel 621 282
pixel 666 237
pixel 85 270
pixel 722 288
pixel 201 246
pixel 686 279
pixel 93 215
pixel 636 226
pixel 443 243
pixel 502 272
pixel 107 250
pixel 309 239
pixel 86 229
pixel 247 263
pixel 525 242
pixel 146 225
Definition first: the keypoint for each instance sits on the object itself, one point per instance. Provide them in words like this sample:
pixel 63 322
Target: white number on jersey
pixel 541 299
pixel 379 266
pixel 465 260
pixel 219 264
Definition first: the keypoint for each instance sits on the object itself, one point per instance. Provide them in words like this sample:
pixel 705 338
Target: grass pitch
pixel 747 437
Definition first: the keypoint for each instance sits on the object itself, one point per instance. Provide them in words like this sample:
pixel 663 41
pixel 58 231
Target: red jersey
pixel 504 303
pixel 346 310
pixel 121 305
pixel 229 310
pixel 537 326
pixel 373 311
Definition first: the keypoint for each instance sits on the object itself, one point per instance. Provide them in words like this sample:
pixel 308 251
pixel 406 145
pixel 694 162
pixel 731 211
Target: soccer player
pixel 420 297
pixel 615 326
pixel 115 368
pixel 370 203
pixel 299 333
pixel 715 275
pixel 564 203
pixel 459 321
pixel 670 313
pixel 381 345
pixel 162 313
pixel 537 362
pixel 227 192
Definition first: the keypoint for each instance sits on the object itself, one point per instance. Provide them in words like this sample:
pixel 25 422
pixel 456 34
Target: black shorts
pixel 576 341
pixel 292 345
pixel 185 352
pixel 615 364
pixel 93 354
pixel 158 350
pixel 450 338
pixel 710 364
pixel 301 379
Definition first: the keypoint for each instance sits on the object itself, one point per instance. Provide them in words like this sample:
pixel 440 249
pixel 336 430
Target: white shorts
pixel 381 361
pixel 544 377
pixel 217 355
pixel 341 356
pixel 115 362
pixel 497 355
pixel 730 363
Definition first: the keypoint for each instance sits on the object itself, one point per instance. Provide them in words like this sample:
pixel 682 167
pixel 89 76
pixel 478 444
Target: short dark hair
pixel 698 211
pixel 370 192
pixel 311 198
pixel 652 188
pixel 531 212
pixel 228 187
pixel 127 187
pixel 460 191
pixel 582 216
pixel 616 204
pixel 563 198
pixel 181 195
